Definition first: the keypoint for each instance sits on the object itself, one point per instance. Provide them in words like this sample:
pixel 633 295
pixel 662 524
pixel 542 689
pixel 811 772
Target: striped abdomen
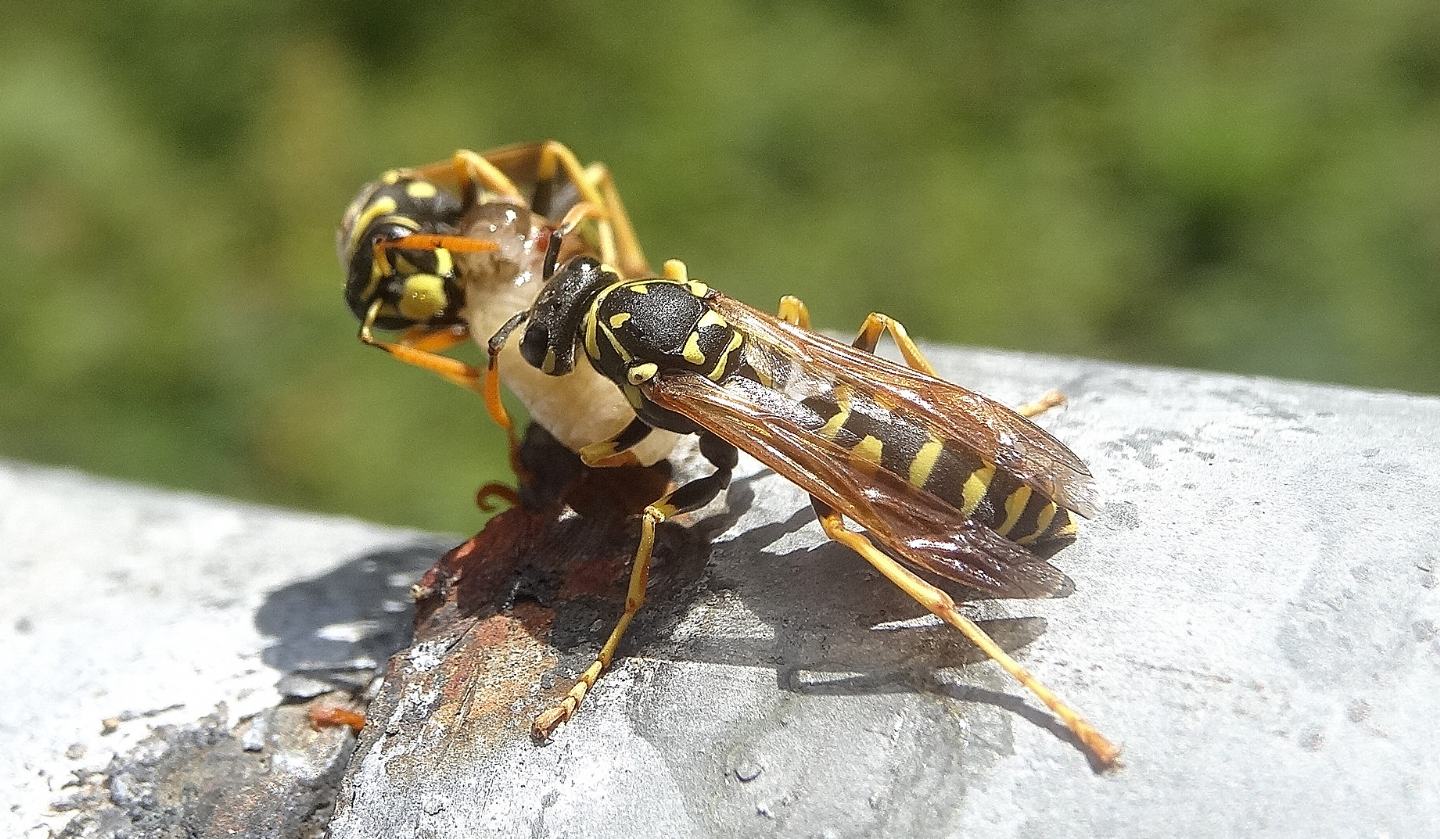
pixel 876 436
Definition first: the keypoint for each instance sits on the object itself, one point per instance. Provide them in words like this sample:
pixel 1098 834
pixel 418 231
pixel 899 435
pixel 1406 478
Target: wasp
pixel 945 481
pixel 447 251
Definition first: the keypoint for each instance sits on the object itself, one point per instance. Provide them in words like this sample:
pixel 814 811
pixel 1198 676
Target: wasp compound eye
pixel 534 345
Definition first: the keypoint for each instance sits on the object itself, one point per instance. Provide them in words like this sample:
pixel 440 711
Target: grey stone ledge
pixel 1255 620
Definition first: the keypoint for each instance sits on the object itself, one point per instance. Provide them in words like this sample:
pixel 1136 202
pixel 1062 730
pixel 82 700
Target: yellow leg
pixel 546 723
pixel 470 172
pixel 691 496
pixel 1049 399
pixel 794 311
pixel 876 323
pixel 556 156
pixel 419 347
pixel 576 215
pixel 942 606
pixel 497 170
pixel 630 256
pixel 938 602
pixel 615 234
pixel 618 450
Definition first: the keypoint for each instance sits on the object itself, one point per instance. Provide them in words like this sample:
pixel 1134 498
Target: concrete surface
pixel 1255 620
pixel 158 648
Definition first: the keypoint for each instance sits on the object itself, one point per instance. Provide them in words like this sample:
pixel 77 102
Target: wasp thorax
pixel 660 323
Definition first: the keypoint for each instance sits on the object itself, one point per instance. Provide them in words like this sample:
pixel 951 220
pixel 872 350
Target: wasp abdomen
pixel 878 437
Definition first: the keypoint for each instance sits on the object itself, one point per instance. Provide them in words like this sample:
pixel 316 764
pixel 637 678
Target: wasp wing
pixel 915 525
pixel 993 432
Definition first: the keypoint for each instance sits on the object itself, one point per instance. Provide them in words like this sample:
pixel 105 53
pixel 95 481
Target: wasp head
pixel 395 288
pixel 558 317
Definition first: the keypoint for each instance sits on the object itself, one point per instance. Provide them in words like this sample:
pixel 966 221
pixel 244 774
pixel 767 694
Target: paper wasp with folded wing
pixel 950 482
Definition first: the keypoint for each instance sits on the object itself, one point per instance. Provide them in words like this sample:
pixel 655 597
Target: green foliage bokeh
pixel 1247 187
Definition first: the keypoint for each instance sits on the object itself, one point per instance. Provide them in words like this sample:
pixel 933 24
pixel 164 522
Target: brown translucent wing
pixel 990 430
pixel 915 525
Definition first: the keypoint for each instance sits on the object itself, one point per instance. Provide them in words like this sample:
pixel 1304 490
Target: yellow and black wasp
pixel 447 251
pixel 946 480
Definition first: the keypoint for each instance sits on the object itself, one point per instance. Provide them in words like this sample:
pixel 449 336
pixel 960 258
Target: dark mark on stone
pixel 1424 629
pixel 203 778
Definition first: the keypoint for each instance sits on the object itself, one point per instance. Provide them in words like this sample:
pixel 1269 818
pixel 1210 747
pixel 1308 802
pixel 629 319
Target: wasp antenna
pixel 552 254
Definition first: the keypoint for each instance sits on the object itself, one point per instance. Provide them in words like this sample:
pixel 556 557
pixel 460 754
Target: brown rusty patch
pixel 514 613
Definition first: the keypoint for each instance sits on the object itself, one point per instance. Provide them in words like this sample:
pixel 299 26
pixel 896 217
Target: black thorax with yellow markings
pixel 630 331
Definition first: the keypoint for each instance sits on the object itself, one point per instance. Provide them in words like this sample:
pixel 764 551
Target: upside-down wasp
pixel 449 250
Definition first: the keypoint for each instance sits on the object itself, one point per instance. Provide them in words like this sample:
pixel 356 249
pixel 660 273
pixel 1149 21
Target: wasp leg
pixel 943 606
pixel 471 172
pixel 629 255
pixel 691 496
pixel 1049 399
pixel 617 450
pixel 497 170
pixel 876 323
pixel 420 346
pixel 489 496
pixel 938 602
pixel 434 339
pixel 490 389
pixel 556 156
pixel 793 311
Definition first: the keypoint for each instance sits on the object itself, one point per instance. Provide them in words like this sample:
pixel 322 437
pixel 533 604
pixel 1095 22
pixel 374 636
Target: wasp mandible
pixel 945 480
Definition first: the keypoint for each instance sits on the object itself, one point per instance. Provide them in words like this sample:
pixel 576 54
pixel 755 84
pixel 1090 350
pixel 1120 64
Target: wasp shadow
pixel 335 631
pixel 828 624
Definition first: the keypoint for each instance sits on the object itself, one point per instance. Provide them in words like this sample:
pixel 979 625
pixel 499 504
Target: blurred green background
pixel 1237 186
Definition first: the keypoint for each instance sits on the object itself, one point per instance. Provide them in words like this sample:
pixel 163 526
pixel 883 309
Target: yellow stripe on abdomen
pixel 1042 521
pixel 1014 507
pixel 868 451
pixel 831 429
pixel 975 488
pixel 924 462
